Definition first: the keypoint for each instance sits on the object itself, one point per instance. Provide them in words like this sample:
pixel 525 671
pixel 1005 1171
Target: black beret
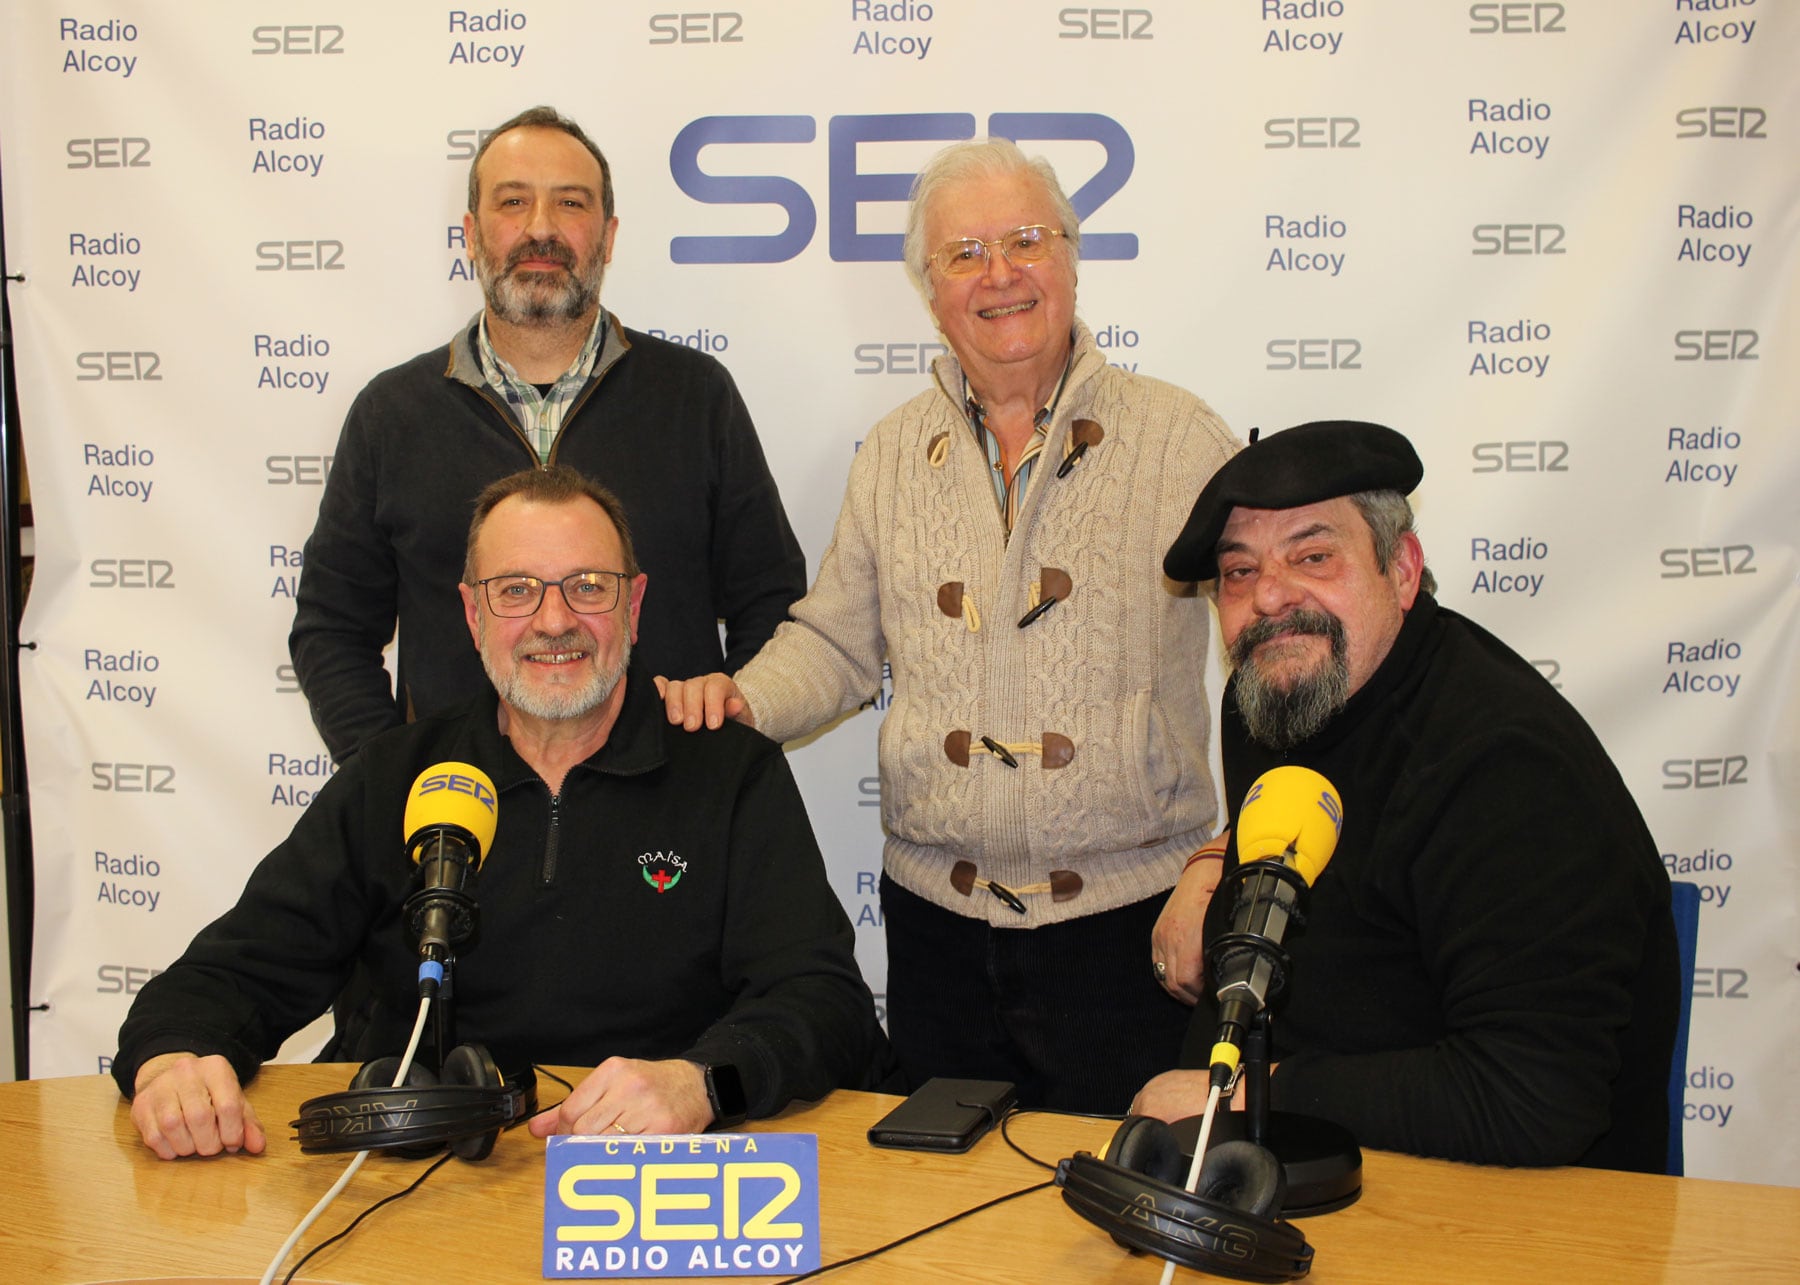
pixel 1300 465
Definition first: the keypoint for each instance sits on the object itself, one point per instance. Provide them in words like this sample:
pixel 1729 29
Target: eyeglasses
pixel 588 593
pixel 1023 248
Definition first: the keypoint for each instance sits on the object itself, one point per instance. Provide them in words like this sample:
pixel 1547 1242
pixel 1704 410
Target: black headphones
pixel 1230 1226
pixel 466 1106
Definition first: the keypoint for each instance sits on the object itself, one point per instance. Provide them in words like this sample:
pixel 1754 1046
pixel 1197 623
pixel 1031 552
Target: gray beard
pixel 522 303
pixel 556 704
pixel 1283 718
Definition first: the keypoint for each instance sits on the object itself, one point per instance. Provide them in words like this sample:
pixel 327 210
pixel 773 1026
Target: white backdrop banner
pixel 1553 241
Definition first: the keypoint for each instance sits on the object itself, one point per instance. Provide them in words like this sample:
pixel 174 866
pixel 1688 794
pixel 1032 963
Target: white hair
pixel 985 157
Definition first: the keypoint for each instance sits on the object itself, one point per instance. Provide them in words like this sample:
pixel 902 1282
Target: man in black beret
pixel 1488 971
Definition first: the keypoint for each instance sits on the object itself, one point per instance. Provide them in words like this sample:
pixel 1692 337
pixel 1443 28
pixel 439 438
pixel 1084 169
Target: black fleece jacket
pixel 1489 971
pixel 659 425
pixel 669 902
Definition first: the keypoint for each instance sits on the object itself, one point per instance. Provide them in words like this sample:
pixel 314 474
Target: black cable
pixel 305 1258
pixel 923 1231
pixel 548 1074
pixel 1007 1119
pixel 435 1166
pixel 552 1075
pixel 1006 1137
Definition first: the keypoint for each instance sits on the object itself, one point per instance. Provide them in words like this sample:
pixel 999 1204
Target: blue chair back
pixel 1684 899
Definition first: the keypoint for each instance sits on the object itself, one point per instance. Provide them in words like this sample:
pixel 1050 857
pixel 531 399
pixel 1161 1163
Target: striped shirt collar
pixel 1009 493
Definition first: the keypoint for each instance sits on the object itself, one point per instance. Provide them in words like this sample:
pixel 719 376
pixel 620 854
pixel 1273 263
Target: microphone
pixel 1286 829
pixel 451 813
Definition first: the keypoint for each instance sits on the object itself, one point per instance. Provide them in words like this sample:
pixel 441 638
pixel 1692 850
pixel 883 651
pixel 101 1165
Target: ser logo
pixel 456 783
pixel 1521 457
pixel 1517 18
pixel 696 28
pixel 131 573
pixel 120 367
pixel 326 39
pixel 897 358
pixel 1721 983
pixel 746 1203
pixel 1706 774
pixel 1716 345
pixel 133 778
pixel 298 470
pixel 1518 238
pixel 1720 560
pixel 122 979
pixel 300 256
pixel 1314 354
pixel 1312 132
pixel 850 188
pixel 1721 122
pixel 1105 24
pixel 463 144
pixel 109 153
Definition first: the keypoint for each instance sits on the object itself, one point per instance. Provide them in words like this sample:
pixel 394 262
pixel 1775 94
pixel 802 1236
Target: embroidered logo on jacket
pixel 662 870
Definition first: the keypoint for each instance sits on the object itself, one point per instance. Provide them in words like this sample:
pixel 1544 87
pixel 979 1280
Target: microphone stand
pixel 438 919
pixel 1256 1079
pixel 1320 1160
pixel 443 1026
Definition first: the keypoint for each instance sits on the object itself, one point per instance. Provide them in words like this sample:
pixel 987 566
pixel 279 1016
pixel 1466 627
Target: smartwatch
pixel 725 1092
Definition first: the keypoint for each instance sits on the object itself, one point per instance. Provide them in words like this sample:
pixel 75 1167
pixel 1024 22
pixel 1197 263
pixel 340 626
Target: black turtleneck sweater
pixel 1489 971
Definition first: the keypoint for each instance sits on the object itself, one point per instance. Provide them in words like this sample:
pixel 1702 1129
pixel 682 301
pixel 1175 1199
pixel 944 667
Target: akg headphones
pixel 466 1106
pixel 1230 1226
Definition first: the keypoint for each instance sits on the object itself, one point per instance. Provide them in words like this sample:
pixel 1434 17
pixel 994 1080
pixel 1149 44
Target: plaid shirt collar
pixel 539 414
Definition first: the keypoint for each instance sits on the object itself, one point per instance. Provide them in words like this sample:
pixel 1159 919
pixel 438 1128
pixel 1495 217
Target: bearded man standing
pixel 542 375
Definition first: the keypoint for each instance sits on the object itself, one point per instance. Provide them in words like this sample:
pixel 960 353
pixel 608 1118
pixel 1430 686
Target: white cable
pixel 287 1246
pixel 1193 1178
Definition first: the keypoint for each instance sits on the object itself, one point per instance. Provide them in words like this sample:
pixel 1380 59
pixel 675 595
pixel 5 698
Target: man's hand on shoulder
pixel 625 1095
pixel 710 698
pixel 185 1105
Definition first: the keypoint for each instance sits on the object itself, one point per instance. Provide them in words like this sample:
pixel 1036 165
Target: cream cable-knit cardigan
pixel 1114 670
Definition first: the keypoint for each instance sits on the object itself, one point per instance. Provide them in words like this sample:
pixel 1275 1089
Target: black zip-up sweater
pixel 744 955
pixel 659 425
pixel 1489 970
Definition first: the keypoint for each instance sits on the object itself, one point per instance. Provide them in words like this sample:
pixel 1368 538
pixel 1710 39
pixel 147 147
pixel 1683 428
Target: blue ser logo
pixel 722 1204
pixel 850 188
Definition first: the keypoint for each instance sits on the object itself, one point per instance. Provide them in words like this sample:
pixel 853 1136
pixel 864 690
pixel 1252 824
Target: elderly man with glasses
pixel 1043 760
pixel 654 904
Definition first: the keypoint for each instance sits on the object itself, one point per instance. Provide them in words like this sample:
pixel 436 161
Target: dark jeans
pixel 1069 1012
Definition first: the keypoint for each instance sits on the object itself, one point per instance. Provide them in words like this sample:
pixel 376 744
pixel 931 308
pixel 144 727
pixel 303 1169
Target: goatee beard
pixel 556 704
pixel 534 302
pixel 1282 718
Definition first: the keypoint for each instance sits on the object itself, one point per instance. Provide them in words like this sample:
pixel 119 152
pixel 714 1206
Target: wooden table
pixel 82 1200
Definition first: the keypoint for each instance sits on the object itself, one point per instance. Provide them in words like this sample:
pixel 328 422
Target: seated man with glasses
pixel 1043 761
pixel 653 905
